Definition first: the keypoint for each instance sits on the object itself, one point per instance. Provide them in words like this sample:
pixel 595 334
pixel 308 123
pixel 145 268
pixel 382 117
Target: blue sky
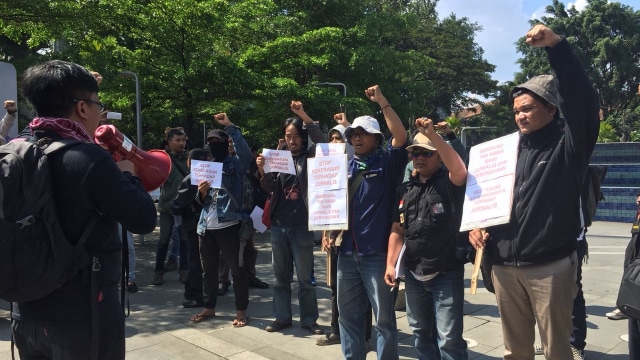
pixel 503 22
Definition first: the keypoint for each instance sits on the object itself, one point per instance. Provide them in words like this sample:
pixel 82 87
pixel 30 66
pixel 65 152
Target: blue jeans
pixel 361 279
pixel 293 242
pixel 434 312
pixel 167 230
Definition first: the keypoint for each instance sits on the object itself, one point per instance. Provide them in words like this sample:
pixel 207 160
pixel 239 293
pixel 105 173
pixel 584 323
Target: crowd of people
pixel 535 263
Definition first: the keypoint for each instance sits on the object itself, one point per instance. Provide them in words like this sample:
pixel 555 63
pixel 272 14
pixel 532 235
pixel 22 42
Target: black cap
pixel 218 134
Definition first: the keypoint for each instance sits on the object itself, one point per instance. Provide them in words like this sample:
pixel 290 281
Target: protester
pixel 336 136
pixel 187 206
pixel 374 174
pixel 176 141
pixel 250 253
pixel 87 185
pixel 220 221
pixel 534 255
pixel 290 235
pixel 430 214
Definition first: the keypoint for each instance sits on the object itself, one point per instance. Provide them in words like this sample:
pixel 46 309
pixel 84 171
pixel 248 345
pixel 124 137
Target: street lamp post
pixel 138 104
pixel 138 120
pixel 344 90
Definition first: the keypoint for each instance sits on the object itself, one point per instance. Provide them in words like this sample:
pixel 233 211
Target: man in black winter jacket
pixel 534 255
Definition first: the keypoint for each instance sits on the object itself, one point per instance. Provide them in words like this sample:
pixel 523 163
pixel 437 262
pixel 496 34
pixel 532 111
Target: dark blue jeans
pixel 166 229
pixel 434 312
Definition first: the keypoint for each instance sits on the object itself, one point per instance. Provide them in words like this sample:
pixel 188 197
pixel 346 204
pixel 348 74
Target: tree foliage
pixel 605 38
pixel 251 58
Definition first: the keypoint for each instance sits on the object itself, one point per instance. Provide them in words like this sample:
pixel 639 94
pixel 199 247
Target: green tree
pixel 605 38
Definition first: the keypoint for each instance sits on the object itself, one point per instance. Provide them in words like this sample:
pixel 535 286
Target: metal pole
pixel 344 89
pixel 138 105
pixel 138 120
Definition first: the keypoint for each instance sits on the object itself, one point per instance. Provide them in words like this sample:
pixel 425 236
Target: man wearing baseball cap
pixel 374 174
pixel 534 255
pixel 430 212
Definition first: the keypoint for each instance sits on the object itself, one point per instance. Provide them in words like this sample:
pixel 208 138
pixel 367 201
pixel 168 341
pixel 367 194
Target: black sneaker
pixel 329 339
pixel 278 326
pixel 314 329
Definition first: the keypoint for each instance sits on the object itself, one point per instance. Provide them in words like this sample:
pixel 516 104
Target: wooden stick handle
pixel 476 271
pixel 476 268
pixel 329 269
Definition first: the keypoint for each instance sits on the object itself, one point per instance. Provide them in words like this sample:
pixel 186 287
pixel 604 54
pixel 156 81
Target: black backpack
pixel 36 257
pixel 629 293
pixel 591 192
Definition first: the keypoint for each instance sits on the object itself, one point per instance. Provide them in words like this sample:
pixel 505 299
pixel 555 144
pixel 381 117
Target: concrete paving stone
pixel 159 328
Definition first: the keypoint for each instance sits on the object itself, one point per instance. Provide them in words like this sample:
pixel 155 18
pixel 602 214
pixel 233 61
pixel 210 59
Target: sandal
pixel 240 322
pixel 257 283
pixel 198 318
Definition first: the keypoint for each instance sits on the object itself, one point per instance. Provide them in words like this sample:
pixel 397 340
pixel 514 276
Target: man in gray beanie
pixel 534 255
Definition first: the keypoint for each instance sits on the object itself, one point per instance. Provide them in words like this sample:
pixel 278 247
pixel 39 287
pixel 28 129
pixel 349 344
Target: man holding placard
pixel 374 174
pixel 534 254
pixel 285 176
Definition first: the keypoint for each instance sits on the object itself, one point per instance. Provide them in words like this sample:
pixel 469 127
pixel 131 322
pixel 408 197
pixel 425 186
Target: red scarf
pixel 66 128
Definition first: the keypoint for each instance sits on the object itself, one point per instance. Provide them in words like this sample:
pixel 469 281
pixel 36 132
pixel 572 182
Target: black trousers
pixel 193 285
pixel 250 256
pixel 227 241
pixel 37 341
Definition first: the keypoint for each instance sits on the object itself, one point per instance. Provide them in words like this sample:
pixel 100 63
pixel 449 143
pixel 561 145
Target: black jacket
pixel 88 184
pixel 550 170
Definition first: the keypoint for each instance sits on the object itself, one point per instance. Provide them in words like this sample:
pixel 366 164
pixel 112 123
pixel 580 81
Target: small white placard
pixel 206 171
pixel 328 149
pixel 278 161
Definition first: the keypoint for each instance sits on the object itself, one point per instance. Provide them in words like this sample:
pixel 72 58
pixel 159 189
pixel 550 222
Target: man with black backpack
pixel 90 194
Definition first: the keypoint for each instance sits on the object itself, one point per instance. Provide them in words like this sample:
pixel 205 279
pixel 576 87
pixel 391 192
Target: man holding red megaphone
pixel 91 195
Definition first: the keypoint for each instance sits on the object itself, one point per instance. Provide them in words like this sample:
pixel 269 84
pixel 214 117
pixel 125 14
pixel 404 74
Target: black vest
pixel 431 213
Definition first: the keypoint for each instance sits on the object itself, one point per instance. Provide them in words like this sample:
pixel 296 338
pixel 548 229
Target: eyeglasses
pixel 101 105
pixel 359 134
pixel 417 154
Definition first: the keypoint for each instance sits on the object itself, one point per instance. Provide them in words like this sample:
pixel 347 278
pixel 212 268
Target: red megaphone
pixel 152 167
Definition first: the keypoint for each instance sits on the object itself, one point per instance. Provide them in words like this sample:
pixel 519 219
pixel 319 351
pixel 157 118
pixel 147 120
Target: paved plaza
pixel 159 328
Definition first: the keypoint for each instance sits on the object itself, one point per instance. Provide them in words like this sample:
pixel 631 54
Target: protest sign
pixel 328 149
pixel 327 188
pixel 206 171
pixel 490 178
pixel 328 209
pixel 278 161
pixel 327 173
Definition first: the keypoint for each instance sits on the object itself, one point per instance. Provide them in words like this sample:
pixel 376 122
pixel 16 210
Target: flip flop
pixel 198 318
pixel 238 323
